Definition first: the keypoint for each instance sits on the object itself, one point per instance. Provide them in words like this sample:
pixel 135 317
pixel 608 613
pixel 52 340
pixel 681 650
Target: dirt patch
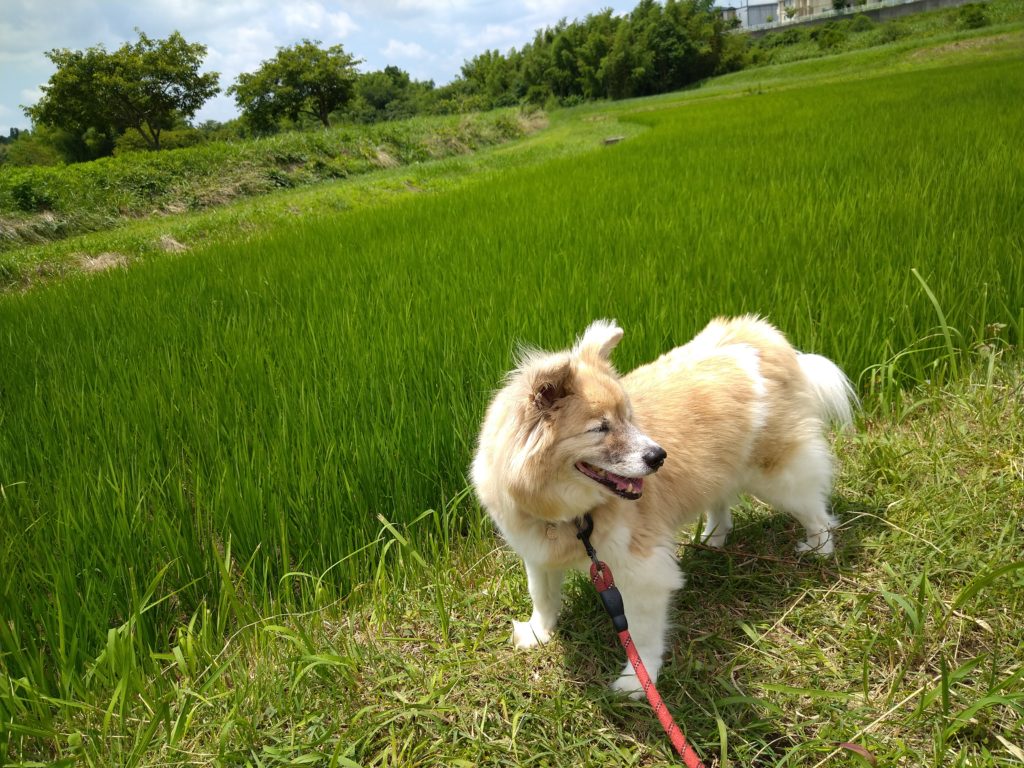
pixel 958 46
pixel 102 262
pixel 174 208
pixel 384 160
pixel 169 245
pixel 531 122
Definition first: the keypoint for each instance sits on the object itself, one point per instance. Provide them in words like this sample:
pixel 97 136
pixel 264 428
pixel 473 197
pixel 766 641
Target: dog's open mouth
pixel 627 487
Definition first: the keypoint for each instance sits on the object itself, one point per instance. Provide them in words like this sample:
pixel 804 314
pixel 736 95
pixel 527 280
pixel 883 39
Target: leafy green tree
pixel 494 78
pixel 598 37
pixel 564 72
pixel 301 80
pixel 390 94
pixel 31 148
pixel 144 86
pixel 619 67
pixel 534 66
pixel 658 47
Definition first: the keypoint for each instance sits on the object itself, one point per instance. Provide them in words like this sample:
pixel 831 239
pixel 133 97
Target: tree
pixel 303 79
pixel 390 94
pixel 145 85
pixel 618 68
pixel 493 76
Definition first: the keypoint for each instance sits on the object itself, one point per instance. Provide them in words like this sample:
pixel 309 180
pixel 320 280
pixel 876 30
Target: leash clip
pixel 585 527
pixel 601 576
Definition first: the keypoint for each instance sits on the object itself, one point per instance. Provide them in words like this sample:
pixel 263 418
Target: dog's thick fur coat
pixel 736 410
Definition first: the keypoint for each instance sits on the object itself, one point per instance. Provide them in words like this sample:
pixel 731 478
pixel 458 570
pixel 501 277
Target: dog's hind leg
pixel 802 488
pixel 546 592
pixel 647 585
pixel 717 525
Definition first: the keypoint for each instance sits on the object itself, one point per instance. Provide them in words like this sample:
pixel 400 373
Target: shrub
pixel 132 141
pixel 830 37
pixel 785 37
pixel 735 54
pixel 861 23
pixel 31 150
pixel 30 194
pixel 890 33
pixel 971 16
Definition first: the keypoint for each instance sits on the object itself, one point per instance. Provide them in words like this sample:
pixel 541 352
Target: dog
pixel 736 410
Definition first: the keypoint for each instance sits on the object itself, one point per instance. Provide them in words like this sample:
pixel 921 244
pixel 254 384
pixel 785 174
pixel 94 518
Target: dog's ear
pixel 552 384
pixel 599 339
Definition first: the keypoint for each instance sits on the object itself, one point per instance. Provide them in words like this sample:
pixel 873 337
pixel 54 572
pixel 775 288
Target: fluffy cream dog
pixel 737 410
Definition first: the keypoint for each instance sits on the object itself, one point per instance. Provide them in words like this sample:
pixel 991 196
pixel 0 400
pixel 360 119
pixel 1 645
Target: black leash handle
pixel 601 576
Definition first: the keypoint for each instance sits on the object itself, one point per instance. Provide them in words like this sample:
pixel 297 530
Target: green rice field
pixel 198 444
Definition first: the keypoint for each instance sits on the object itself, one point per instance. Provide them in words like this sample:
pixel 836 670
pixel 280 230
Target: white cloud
pixel 432 6
pixel 493 36
pixel 315 17
pixel 402 50
pixel 342 24
pixel 245 48
pixel 31 95
pixel 556 8
pixel 398 10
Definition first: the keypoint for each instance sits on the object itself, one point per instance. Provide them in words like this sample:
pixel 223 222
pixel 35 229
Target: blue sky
pixel 430 39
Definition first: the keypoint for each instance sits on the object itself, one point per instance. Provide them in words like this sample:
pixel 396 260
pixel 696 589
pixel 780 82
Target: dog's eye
pixel 604 426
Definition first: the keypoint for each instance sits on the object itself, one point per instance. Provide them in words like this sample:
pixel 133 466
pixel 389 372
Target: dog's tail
pixel 831 388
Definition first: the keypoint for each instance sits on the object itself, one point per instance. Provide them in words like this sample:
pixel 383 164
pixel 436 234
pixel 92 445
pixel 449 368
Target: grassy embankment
pixel 40 205
pixel 235 479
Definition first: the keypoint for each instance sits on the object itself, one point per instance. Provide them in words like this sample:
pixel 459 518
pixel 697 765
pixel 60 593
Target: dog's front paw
pixel 526 635
pixel 820 544
pixel 716 540
pixel 630 685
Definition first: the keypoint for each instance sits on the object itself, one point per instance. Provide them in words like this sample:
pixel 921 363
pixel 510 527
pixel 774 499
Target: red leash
pixel 604 583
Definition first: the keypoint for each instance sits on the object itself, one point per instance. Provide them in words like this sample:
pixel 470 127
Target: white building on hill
pixel 754 13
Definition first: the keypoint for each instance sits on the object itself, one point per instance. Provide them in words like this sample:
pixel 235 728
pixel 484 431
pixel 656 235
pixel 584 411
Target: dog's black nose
pixel 655 457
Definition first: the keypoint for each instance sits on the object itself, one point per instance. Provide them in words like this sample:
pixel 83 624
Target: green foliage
pixel 972 16
pixel 654 49
pixel 97 195
pixel 173 139
pixel 891 32
pixel 861 23
pixel 145 86
pixel 302 79
pixel 30 197
pixel 785 37
pixel 31 148
pixel 830 37
pixel 390 94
